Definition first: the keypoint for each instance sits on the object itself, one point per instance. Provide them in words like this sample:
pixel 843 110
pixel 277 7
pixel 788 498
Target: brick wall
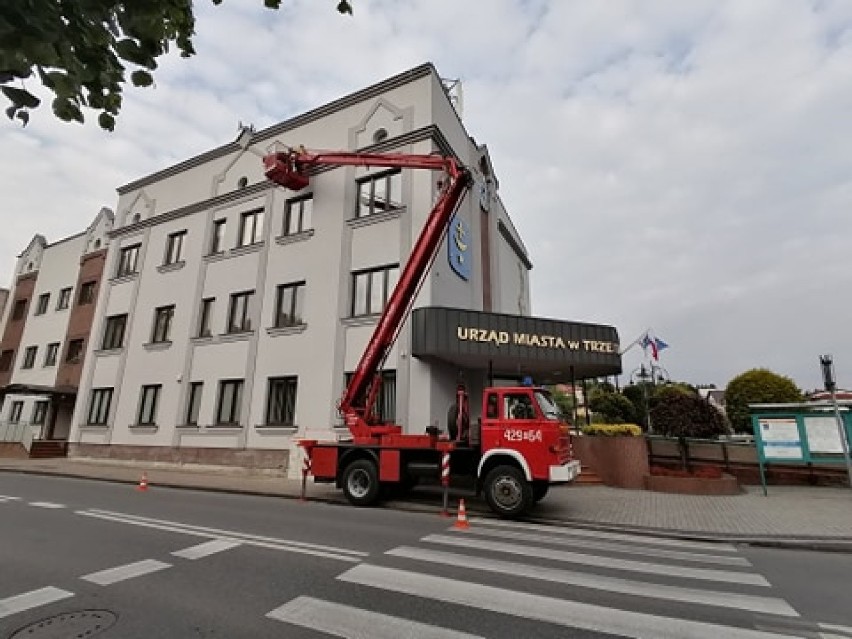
pixel 618 461
pixel 24 288
pixel 82 316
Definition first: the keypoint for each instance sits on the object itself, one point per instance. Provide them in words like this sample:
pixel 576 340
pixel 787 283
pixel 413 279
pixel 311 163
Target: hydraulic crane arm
pixel 291 169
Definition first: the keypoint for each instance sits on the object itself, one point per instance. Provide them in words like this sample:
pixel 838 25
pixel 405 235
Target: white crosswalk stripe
pixel 833 631
pixel 540 608
pixel 727 560
pixel 345 621
pixel 769 605
pixel 646 540
pixel 697 576
pixel 668 570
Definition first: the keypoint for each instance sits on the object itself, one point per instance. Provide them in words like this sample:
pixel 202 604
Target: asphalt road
pixel 83 558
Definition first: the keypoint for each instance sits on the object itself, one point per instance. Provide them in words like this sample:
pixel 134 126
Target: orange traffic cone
pixel 143 483
pixel 461 520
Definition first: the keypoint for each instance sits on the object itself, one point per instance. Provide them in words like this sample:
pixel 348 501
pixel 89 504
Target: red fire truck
pixel 519 447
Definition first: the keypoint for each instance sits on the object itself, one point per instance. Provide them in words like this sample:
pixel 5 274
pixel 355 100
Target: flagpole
pixel 635 342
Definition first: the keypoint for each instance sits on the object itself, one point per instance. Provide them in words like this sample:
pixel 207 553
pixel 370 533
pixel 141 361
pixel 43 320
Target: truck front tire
pixel 507 492
pixel 361 483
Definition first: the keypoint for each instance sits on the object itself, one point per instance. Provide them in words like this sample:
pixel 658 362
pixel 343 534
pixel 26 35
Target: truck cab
pixel 525 446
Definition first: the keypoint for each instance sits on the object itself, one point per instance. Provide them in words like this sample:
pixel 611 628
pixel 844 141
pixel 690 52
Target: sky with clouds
pixel 679 165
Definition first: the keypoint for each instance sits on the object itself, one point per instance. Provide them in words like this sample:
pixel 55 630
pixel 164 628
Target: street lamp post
pixel 644 376
pixel 827 365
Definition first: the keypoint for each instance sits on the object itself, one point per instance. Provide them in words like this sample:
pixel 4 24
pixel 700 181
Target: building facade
pixel 233 309
pixel 46 326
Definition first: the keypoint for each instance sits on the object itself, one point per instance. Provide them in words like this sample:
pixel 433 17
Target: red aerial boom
pixel 292 169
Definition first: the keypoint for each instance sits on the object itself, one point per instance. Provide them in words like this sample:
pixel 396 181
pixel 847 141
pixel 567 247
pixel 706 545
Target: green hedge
pixel 612 430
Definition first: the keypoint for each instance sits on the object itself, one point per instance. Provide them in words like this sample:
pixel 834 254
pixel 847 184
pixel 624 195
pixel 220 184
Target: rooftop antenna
pixel 453 87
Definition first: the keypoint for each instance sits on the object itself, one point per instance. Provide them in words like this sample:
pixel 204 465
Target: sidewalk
pixel 791 516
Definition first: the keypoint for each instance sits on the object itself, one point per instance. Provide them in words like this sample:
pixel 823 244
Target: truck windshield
pixel 548 406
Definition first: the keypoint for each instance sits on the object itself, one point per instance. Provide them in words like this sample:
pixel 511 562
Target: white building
pixel 46 326
pixel 234 307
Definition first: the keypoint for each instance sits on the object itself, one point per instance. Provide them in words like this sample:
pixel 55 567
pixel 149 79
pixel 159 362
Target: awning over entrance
pixel 512 345
pixel 57 393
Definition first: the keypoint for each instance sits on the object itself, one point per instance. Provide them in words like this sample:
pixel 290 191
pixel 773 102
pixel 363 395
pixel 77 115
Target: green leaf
pixel 20 97
pixel 106 121
pixel 141 79
pixel 60 83
pixel 344 7
pixel 24 117
pixel 66 110
pixel 10 112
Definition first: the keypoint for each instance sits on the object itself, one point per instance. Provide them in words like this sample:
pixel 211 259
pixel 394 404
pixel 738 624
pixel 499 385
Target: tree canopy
pixel 756 386
pixel 82 50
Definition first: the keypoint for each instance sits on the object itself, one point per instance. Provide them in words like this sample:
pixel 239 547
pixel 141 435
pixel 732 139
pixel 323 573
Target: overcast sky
pixel 679 165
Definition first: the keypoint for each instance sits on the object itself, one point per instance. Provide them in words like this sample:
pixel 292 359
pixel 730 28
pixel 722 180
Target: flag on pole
pixel 655 344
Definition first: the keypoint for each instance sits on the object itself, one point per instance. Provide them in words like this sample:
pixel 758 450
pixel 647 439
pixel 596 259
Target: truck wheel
pixel 539 490
pixel 507 491
pixel 361 483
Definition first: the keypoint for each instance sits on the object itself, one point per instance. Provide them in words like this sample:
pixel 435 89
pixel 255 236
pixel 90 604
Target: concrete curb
pixel 820 544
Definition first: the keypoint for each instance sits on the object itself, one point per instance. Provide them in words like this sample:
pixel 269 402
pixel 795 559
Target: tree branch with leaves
pixel 82 50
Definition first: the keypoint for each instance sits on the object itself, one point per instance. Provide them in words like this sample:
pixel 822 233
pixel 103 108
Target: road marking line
pixel 206 549
pixel 32 599
pixel 730 576
pixel 329 552
pixel 346 621
pixel 128 571
pixel 562 612
pixel 595 534
pixel 726 560
pixel 45 504
pixel 832 627
pixel 767 605
pixel 9 498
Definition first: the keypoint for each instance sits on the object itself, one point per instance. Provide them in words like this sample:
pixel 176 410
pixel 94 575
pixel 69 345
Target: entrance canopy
pixel 58 393
pixel 515 346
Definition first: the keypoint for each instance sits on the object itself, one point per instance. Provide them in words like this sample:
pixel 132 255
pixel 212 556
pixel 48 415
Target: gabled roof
pixel 38 240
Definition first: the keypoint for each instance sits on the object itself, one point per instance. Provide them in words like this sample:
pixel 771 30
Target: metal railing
pixel 735 457
pixel 688 452
pixel 21 432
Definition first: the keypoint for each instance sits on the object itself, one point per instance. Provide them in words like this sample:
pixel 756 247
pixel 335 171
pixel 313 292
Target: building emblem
pixel 458 247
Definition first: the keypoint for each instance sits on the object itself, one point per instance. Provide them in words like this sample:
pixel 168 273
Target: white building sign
pixel 823 435
pixel 780 439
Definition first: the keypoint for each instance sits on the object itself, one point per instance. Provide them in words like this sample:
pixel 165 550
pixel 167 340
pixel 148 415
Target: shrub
pixel 756 386
pixel 614 407
pixel 678 414
pixel 612 430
